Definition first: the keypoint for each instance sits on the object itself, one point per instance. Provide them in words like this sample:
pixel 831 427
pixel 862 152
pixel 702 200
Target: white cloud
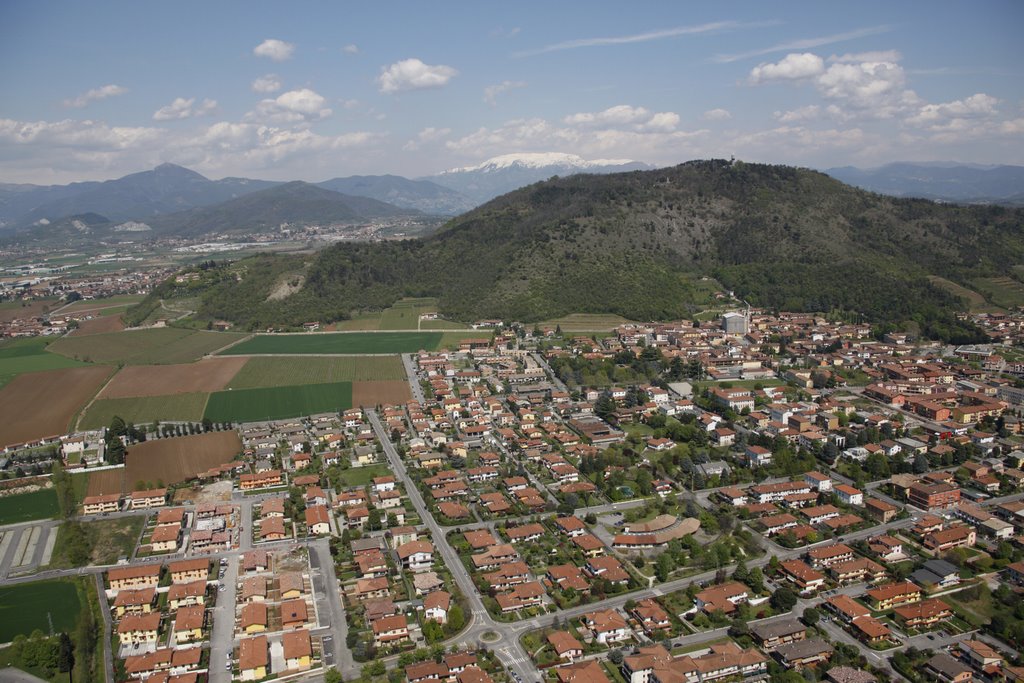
pixel 266 84
pixel 875 89
pixel 717 115
pixel 182 108
pixel 351 49
pixel 425 137
pixel 294 106
pixel 976 106
pixel 805 44
pixel 491 92
pixel 619 115
pixel 874 56
pixel 274 49
pixel 792 67
pixel 643 37
pixel 95 94
pixel 412 74
pixel 662 122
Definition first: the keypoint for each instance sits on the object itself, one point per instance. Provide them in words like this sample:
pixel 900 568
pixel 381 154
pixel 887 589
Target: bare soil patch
pixel 41 404
pixel 205 376
pixel 105 482
pixel 101 324
pixel 178 459
pixel 377 393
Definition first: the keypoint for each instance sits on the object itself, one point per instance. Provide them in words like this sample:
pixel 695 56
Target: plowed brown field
pixel 376 393
pixel 173 460
pixel 98 325
pixel 209 374
pixel 41 404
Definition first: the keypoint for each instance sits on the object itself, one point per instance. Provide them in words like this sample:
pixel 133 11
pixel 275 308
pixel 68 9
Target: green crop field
pixel 29 355
pixel 50 606
pixel 25 507
pixel 586 322
pixel 274 403
pixel 163 345
pixel 287 371
pixel 450 340
pixel 142 409
pixel 338 343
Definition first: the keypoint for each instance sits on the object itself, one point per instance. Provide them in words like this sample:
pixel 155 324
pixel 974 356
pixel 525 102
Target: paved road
pixel 108 661
pixel 414 382
pixel 509 651
pixel 322 564
pixel 551 373
pixel 222 639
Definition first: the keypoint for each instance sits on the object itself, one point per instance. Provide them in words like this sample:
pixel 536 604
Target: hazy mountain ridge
pixel 502 174
pixel 940 181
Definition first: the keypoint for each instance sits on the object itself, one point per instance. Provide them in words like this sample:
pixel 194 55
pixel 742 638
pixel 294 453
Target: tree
pixel 65 655
pixel 332 675
pixel 616 656
pixel 663 567
pixel 456 619
pixel 783 599
pixel 921 463
pixel 811 616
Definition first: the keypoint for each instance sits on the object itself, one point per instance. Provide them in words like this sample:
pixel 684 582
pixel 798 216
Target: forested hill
pixel 634 244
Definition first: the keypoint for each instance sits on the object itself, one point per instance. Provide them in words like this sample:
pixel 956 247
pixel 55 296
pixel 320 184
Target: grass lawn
pixel 346 343
pixel 450 340
pixel 361 476
pixel 288 371
pixel 112 540
pixel 586 322
pixel 140 410
pixel 440 324
pixel 30 355
pixel 50 606
pixel 25 507
pixel 273 403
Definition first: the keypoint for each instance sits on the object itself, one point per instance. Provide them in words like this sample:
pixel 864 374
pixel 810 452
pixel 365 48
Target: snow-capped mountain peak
pixel 538 160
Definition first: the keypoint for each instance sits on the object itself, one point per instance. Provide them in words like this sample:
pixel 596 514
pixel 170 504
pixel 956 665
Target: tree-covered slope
pixel 635 243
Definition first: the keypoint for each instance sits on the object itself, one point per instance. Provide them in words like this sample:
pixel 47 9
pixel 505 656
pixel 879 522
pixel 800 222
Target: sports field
pixel 273 403
pixel 25 507
pixel 19 356
pixel 181 458
pixel 42 404
pixel 164 345
pixel 142 409
pixel 338 343
pixel 285 371
pixel 50 606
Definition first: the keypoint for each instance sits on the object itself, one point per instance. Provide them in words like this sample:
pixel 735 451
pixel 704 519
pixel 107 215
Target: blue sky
pixel 316 90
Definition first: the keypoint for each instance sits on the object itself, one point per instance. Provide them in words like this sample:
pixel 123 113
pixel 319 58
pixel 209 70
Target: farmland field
pixel 285 371
pixel 100 324
pixel 442 325
pixel 450 340
pixel 42 404
pixel 204 376
pixel 180 458
pixel 30 606
pixel 164 345
pixel 271 403
pixel 1003 291
pixel 338 343
pixel 29 355
pixel 142 409
pixel 121 301
pixel 12 310
pixel 371 394
pixel 24 507
pixel 105 482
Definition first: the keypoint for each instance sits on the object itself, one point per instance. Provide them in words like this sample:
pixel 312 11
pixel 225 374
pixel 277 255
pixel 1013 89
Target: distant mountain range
pixel 503 174
pixel 962 183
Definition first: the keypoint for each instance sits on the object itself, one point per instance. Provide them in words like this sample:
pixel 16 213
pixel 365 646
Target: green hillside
pixel 635 244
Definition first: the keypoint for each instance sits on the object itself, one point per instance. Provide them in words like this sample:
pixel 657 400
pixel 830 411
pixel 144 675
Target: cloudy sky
pixel 316 90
